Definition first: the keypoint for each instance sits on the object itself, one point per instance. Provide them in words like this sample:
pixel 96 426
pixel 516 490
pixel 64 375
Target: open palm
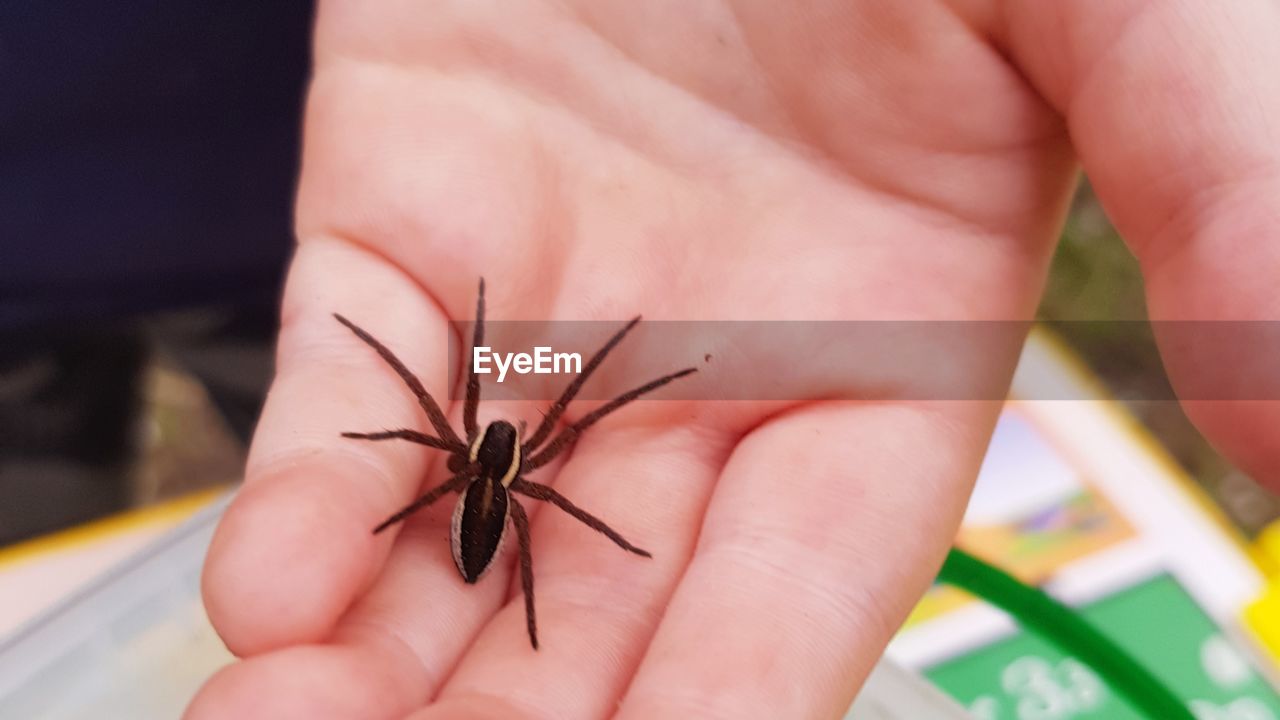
pixel 816 160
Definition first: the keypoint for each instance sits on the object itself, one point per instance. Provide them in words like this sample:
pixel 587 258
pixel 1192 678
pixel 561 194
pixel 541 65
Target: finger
pixel 416 620
pixel 420 601
pixel 597 605
pixel 312 682
pixel 826 526
pixel 474 707
pixel 295 546
pixel 1175 110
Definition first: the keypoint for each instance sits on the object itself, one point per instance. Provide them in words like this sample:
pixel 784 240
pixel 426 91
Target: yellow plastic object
pixel 1262 616
pixel 171 511
pixel 1266 550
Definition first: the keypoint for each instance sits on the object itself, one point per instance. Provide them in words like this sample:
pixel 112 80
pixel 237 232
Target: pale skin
pixel 705 160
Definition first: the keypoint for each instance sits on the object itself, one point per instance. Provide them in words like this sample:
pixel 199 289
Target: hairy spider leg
pixel 550 417
pixel 428 403
pixel 570 434
pixel 402 434
pixel 538 491
pixel 472 402
pixel 453 484
pixel 521 521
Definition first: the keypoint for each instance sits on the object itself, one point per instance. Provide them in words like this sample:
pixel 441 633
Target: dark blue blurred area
pixel 147 154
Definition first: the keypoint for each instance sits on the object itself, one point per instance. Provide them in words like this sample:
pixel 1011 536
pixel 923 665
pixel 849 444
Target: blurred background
pixel 147 161
pixel 124 383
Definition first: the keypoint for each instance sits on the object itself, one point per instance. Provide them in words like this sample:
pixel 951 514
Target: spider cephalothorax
pixel 488 468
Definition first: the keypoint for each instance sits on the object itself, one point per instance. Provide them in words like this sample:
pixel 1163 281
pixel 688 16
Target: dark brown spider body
pixel 479 526
pixel 488 468
pixel 480 517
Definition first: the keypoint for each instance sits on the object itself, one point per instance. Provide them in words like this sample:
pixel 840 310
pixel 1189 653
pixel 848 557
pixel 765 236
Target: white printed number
pixel 1045 691
pixel 1242 709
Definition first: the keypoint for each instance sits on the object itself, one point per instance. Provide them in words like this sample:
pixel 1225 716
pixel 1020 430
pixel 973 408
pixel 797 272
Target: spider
pixel 488 469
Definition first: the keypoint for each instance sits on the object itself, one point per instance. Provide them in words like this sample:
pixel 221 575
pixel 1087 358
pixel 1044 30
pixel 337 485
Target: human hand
pixel 864 160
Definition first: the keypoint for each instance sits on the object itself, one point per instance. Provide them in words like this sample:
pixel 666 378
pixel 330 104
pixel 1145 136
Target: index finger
pixel 295 548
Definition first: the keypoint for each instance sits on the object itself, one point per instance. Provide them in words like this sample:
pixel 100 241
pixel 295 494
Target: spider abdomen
pixel 479 525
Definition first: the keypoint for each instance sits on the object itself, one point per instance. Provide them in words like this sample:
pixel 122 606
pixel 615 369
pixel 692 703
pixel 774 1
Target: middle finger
pixel 597 606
